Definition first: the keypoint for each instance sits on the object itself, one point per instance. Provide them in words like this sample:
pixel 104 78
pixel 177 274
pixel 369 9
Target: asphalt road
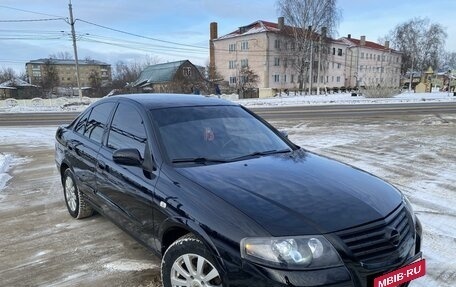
pixel 270 113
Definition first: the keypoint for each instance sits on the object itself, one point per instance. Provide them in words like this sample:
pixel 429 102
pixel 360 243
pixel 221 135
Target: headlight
pixel 409 207
pixel 303 252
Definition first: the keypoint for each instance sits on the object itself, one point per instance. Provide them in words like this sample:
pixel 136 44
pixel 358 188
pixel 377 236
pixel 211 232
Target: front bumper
pixel 351 274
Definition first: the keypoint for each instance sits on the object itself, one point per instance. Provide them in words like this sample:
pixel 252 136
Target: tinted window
pixel 97 121
pixel 127 130
pixel 80 126
pixel 215 132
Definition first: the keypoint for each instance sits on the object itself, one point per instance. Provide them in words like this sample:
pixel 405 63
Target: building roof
pixel 160 73
pixel 368 44
pixel 68 62
pixel 13 83
pixel 261 26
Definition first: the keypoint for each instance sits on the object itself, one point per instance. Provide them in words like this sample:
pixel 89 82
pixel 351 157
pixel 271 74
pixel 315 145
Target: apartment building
pixel 268 49
pixel 66 71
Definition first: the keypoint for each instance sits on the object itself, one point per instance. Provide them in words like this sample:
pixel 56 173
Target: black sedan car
pixel 227 200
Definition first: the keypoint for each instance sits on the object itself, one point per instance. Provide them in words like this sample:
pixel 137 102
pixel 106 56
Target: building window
pixel 284 78
pixel 187 71
pixel 334 51
pixel 232 80
pixel 277 44
pixel 244 45
pixel 361 68
pixel 232 64
pixel 339 52
pixel 327 79
pixel 292 79
pixel 338 65
pixel 315 78
pixel 332 79
pixel 362 55
pixel 276 78
pixel 232 47
pixel 244 63
pixel 286 46
pixel 35 67
pixel 292 46
pixel 333 65
pixel 338 79
pixel 276 61
pixel 371 56
pixel 378 58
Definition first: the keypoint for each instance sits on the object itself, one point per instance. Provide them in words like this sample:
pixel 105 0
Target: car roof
pixel 159 101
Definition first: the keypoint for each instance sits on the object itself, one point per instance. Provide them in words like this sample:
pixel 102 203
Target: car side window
pixel 97 121
pixel 127 130
pixel 80 126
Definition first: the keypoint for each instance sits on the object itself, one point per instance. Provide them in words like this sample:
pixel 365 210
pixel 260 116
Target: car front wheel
pixel 187 262
pixel 77 206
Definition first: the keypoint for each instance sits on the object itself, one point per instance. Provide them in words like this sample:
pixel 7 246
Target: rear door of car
pixel 84 143
pixel 127 190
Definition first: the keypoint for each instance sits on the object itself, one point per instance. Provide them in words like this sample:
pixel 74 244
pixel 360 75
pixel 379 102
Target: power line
pixel 141 36
pixel 32 20
pixel 33 12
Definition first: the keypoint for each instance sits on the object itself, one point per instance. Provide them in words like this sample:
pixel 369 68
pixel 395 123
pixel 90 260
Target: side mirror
pixel 127 156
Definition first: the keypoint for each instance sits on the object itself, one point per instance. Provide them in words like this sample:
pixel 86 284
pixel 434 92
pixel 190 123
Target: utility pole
pixel 319 65
pixel 73 35
pixel 411 77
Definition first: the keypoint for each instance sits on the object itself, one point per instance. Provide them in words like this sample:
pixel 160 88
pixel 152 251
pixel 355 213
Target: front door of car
pixel 127 190
pixel 84 143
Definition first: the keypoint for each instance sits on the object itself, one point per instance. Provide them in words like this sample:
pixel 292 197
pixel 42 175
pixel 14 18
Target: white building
pixel 267 49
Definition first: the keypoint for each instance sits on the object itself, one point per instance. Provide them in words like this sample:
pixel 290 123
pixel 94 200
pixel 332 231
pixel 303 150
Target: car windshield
pixel 214 134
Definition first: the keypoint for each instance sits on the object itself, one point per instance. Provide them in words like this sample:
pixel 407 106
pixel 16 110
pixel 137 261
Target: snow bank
pixel 345 99
pixel 31 137
pixel 5 162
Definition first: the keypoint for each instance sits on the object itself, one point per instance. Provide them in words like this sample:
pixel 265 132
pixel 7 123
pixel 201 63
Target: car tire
pixel 75 202
pixel 187 262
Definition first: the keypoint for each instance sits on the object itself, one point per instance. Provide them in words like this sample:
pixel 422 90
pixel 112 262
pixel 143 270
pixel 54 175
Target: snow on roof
pixel 261 26
pixel 67 62
pixel 368 44
pixel 13 83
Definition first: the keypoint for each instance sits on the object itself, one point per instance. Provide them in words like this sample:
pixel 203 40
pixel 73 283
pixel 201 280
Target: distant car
pixel 227 200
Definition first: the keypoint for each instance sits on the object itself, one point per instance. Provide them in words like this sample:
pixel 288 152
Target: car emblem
pixel 392 235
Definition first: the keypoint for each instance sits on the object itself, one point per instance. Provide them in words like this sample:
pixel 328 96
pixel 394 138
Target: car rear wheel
pixel 187 262
pixel 77 206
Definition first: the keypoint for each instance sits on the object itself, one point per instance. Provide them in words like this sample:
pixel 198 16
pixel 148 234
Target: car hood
pixel 298 193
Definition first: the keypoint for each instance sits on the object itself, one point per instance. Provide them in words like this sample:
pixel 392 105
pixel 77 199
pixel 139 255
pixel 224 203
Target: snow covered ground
pixel 62 104
pixel 415 153
pixel 346 99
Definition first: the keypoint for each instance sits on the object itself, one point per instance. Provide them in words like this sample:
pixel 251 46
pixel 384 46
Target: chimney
pixel 281 23
pixel 349 36
pixel 324 32
pixel 213 36
pixel 362 42
pixel 387 44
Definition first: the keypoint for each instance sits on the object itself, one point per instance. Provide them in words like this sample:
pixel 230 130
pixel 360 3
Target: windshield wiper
pixel 201 160
pixel 260 153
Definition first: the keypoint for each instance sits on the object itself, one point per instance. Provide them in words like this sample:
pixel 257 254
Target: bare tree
pixel 126 73
pixel 95 83
pixel 7 74
pixel 50 78
pixel 307 19
pixel 247 81
pixel 63 55
pixel 449 61
pixel 421 43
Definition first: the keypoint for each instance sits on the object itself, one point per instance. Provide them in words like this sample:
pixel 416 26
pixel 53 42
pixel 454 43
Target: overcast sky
pixel 179 21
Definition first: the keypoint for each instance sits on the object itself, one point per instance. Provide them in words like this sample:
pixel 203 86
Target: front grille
pixel 388 238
